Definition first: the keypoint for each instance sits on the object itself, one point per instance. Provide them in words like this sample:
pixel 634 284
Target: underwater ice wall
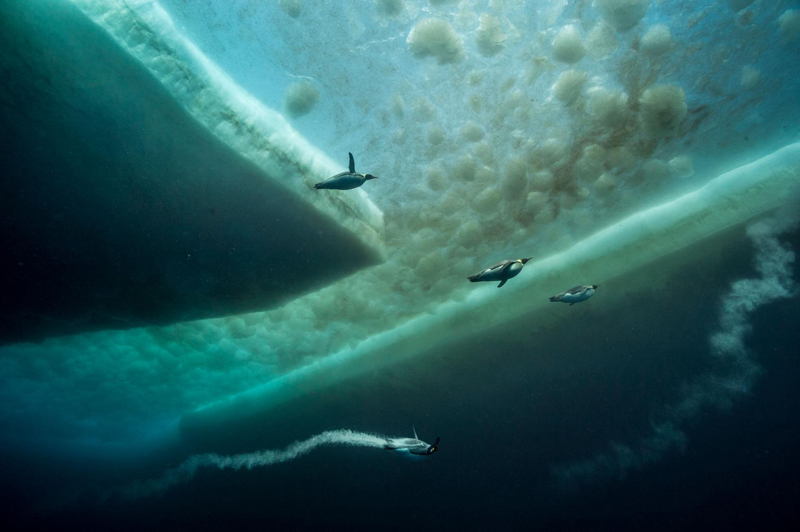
pixel 146 31
pixel 518 159
pixel 471 125
pixel 728 200
pixel 122 182
pixel 120 209
pixel 525 130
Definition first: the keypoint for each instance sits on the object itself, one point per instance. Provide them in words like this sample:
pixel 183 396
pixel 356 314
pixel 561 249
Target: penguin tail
pixel 473 278
pixel 318 186
pixel 553 299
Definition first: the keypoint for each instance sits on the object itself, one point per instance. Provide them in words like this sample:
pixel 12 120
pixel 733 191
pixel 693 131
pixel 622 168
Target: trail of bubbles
pixel 733 376
pixel 186 471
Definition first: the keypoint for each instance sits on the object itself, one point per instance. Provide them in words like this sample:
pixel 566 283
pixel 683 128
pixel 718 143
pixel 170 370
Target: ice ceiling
pixel 499 129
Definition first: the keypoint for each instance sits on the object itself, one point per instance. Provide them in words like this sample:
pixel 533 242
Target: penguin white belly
pixel 407 455
pixel 498 274
pixel 577 298
pixel 513 270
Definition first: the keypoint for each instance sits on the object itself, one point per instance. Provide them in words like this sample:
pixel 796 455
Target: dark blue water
pixel 153 262
pixel 505 419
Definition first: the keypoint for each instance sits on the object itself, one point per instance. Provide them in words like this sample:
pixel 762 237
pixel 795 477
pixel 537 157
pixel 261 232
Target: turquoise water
pixel 187 320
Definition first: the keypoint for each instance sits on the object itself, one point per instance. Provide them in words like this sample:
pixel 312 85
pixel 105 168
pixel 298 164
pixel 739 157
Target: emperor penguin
pixel 502 271
pixel 576 294
pixel 346 180
pixel 413 445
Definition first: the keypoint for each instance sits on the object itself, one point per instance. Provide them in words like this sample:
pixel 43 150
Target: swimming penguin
pixel 502 271
pixel 576 294
pixel 346 180
pixel 411 445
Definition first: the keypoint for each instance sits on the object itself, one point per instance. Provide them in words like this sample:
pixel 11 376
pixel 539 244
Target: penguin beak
pixel 595 286
pixel 525 260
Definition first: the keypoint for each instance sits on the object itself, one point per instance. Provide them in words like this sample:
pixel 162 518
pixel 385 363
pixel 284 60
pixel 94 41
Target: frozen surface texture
pixel 726 201
pixel 452 104
pixel 133 196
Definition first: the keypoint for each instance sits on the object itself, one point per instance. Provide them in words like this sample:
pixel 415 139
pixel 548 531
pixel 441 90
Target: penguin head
pixel 523 261
pixel 595 286
pixel 433 448
pixel 370 176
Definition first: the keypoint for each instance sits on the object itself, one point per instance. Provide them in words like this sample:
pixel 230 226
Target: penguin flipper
pixel 352 163
pixel 502 283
